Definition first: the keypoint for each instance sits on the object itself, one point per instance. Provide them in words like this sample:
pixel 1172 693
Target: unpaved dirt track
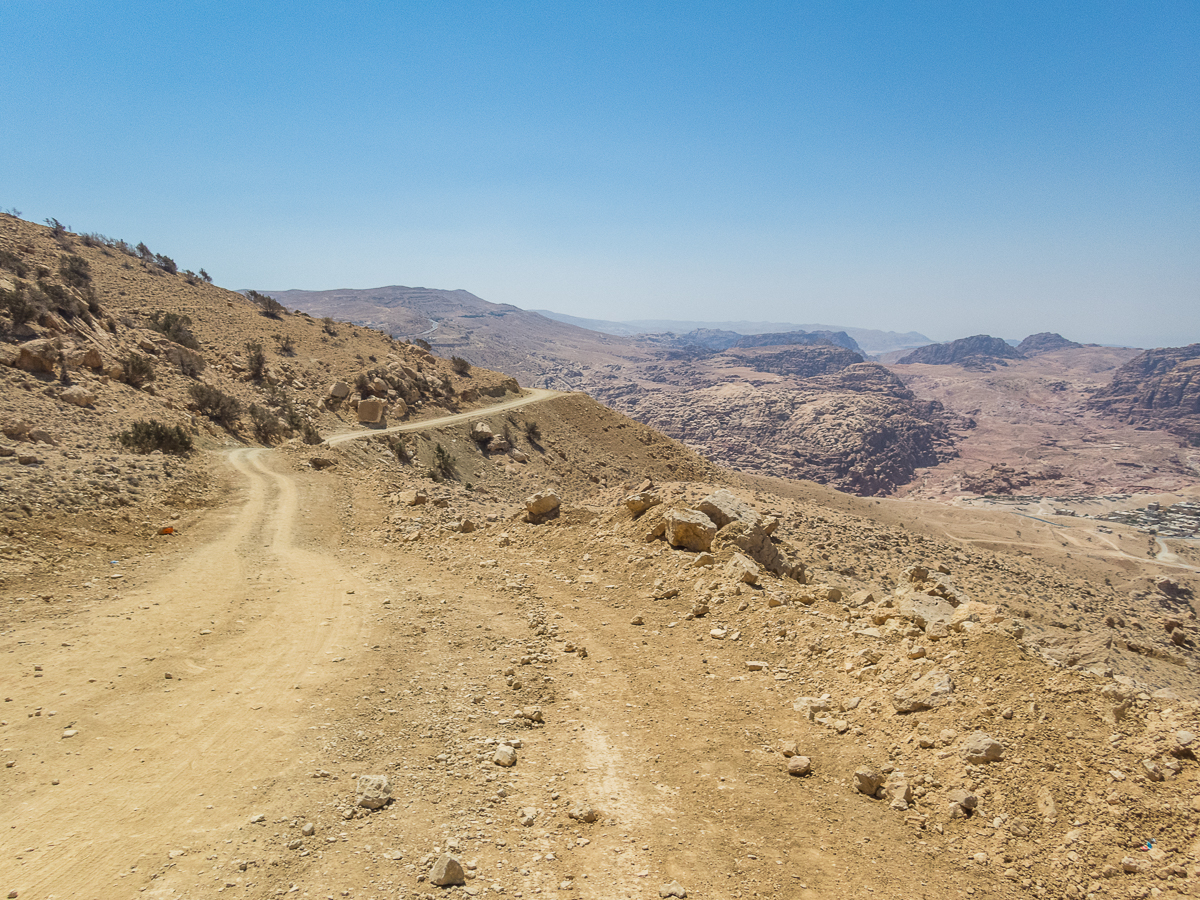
pixel 240 624
pixel 534 396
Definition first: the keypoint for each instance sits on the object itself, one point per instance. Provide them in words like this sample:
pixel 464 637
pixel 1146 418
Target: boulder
pixel 722 507
pixel 931 690
pixel 811 706
pixel 799 766
pixel 38 356
pixel 982 748
pixel 398 409
pixel 640 502
pixel 505 756
pixel 584 812
pixel 867 781
pixel 412 498
pixel 339 390
pixel 379 387
pixel 742 568
pixel 689 529
pixel 542 506
pixel 370 412
pixel 481 433
pixel 86 359
pixel 924 610
pixel 78 396
pixel 447 871
pixel 373 791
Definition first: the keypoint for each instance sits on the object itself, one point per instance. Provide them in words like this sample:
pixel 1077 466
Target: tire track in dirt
pixel 245 620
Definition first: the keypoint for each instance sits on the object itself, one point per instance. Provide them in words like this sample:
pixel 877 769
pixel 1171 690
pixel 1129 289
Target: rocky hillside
pixel 803 403
pixel 1045 342
pixel 977 351
pixel 1160 389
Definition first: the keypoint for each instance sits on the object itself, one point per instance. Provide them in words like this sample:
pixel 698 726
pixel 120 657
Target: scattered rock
pixel 981 748
pixel 78 396
pixel 447 871
pixel 542 506
pixel 640 502
pixel 931 690
pixel 527 816
pixel 867 781
pixel 584 813
pixel 505 756
pixel 690 530
pixel 674 889
pixel 373 791
pixel 799 765
pixel 370 412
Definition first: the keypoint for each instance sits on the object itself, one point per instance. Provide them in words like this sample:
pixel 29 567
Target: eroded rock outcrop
pixel 1160 389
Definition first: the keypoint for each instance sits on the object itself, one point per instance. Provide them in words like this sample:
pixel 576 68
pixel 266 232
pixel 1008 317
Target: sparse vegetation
pixel 205 277
pixel 269 305
pixel 256 359
pixel 14 264
pixel 75 271
pixel 460 365
pixel 309 433
pixel 327 326
pixel 137 370
pixel 216 404
pixel 532 431
pixel 148 436
pixel 176 327
pixel 286 345
pixel 443 462
pixel 423 344
pixel 18 305
pixel 166 263
pixel 266 424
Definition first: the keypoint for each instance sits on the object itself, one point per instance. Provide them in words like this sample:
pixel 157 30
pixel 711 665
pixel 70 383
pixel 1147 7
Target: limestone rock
pixel 38 356
pixel 481 432
pixel 527 816
pixel 78 396
pixel 674 889
pixel 742 568
pixel 542 506
pixel 812 706
pixel 932 690
pixel 640 502
pixel 799 766
pixel 447 871
pixel 867 781
pixel 339 390
pixel 690 530
pixel 982 748
pixel 584 813
pixel 370 412
pixel 412 498
pixel 722 507
pixel 373 791
pixel 505 756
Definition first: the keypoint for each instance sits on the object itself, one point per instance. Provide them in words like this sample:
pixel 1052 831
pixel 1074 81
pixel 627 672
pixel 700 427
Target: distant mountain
pixel 869 340
pixel 790 338
pixel 1160 389
pixel 716 340
pixel 1045 342
pixel 976 351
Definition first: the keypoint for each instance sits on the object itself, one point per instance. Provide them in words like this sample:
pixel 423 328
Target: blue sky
pixel 952 168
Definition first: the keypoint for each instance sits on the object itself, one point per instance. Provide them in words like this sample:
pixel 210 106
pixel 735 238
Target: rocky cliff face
pixel 1160 389
pixel 977 351
pixel 830 419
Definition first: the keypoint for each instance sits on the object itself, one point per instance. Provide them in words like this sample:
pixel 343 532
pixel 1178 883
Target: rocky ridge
pixel 1159 389
pixel 977 351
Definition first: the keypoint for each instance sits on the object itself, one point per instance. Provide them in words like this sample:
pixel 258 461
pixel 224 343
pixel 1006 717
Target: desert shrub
pixel 204 276
pixel 137 370
pixel 286 345
pixel 423 344
pixel 20 308
pixel 176 327
pixel 166 263
pixel 144 252
pixel 270 306
pixel 74 270
pixel 532 431
pixel 14 264
pixel 148 436
pixel 266 424
pixel 443 461
pixel 215 403
pixel 327 326
pixel 403 454
pixel 309 434
pixel 460 365
pixel 362 384
pixel 256 359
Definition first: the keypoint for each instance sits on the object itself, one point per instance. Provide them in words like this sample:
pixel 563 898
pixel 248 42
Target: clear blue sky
pixel 953 168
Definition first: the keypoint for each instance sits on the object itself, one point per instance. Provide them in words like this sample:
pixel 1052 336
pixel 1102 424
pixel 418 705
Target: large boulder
pixel 38 356
pixel 447 871
pixel 982 748
pixel 723 507
pixel 689 529
pixel 88 358
pixel 370 412
pixel 481 432
pixel 339 390
pixel 542 506
pixel 78 396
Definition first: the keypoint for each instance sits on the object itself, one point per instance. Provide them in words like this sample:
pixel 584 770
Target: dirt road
pixel 534 396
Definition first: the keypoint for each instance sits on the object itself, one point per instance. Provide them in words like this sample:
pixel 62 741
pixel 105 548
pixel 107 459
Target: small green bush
pixel 176 327
pixel 166 263
pixel 215 403
pixel 532 431
pixel 75 271
pixel 443 462
pixel 137 370
pixel 266 424
pixel 20 308
pixel 460 365
pixel 256 359
pixel 146 437
pixel 270 306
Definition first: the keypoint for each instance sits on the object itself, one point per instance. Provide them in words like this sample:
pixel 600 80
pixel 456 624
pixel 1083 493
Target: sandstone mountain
pixel 503 642
pixel 1160 389
pixel 1045 342
pixel 977 351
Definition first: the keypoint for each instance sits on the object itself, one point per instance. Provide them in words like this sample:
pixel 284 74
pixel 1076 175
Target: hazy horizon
pixel 943 168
